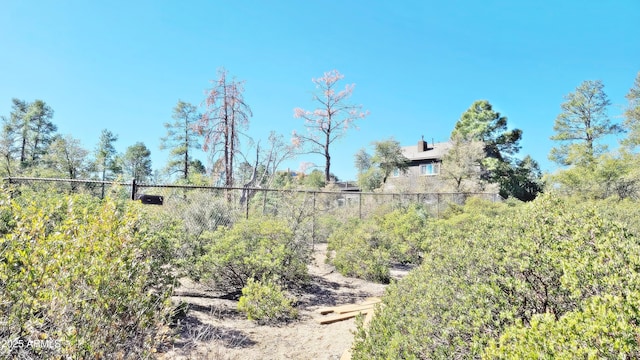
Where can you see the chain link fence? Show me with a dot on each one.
(205, 208)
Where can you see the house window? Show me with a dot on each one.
(430, 169)
(395, 172)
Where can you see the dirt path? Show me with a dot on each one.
(214, 329)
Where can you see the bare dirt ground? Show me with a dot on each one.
(214, 329)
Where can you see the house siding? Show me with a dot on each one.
(413, 180)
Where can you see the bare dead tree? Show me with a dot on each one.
(330, 120)
(226, 115)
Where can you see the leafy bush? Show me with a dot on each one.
(624, 211)
(606, 327)
(606, 176)
(257, 248)
(187, 216)
(478, 206)
(266, 302)
(437, 310)
(325, 225)
(366, 248)
(6, 216)
(358, 252)
(83, 274)
(403, 230)
(201, 212)
(484, 274)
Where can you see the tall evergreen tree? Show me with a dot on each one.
(480, 122)
(581, 124)
(39, 117)
(181, 139)
(106, 161)
(137, 162)
(17, 129)
(67, 157)
(499, 165)
(8, 150)
(28, 131)
(632, 115)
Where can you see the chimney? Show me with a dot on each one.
(422, 145)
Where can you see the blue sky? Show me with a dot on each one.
(417, 65)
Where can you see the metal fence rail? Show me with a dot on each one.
(247, 202)
(311, 214)
(265, 199)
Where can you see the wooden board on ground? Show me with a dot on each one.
(339, 317)
(344, 312)
(368, 318)
(350, 307)
(347, 354)
(346, 308)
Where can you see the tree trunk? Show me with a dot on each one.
(232, 148)
(327, 156)
(186, 149)
(34, 152)
(23, 150)
(186, 165)
(227, 145)
(104, 175)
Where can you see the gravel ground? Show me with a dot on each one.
(214, 329)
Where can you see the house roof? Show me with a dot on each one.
(435, 151)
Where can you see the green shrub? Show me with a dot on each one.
(451, 210)
(624, 211)
(359, 251)
(253, 249)
(366, 248)
(606, 327)
(325, 225)
(266, 302)
(187, 216)
(438, 309)
(483, 274)
(403, 231)
(7, 221)
(83, 274)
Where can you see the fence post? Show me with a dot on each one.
(264, 201)
(247, 206)
(313, 223)
(133, 189)
(360, 205)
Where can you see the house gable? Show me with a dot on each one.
(425, 164)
